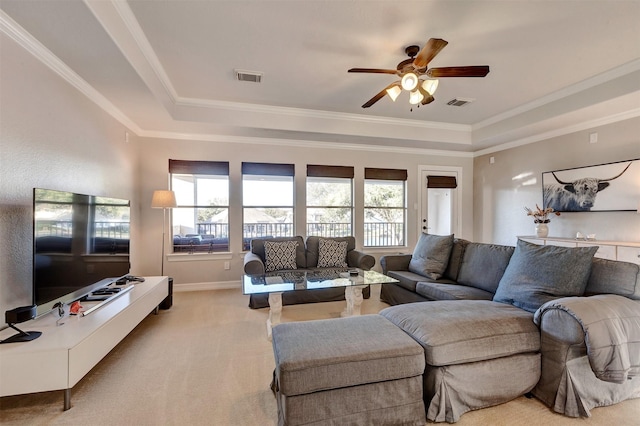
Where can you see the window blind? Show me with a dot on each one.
(268, 169)
(441, 182)
(199, 167)
(385, 174)
(330, 171)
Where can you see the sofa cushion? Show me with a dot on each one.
(257, 247)
(431, 255)
(610, 276)
(441, 291)
(455, 259)
(280, 255)
(483, 265)
(332, 254)
(537, 274)
(461, 331)
(312, 245)
(409, 280)
(312, 356)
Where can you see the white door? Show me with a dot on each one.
(439, 213)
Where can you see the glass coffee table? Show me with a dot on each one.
(276, 283)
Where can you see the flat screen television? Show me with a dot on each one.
(80, 243)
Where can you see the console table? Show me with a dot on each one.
(64, 354)
(625, 251)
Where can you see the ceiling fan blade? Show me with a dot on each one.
(471, 71)
(428, 52)
(380, 95)
(373, 70)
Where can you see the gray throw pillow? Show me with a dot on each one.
(431, 255)
(537, 274)
(280, 255)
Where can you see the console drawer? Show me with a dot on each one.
(629, 254)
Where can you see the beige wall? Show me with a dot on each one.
(51, 137)
(513, 181)
(154, 156)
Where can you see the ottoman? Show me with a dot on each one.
(478, 353)
(359, 370)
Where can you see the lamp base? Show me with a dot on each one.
(22, 336)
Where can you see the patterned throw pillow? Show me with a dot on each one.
(332, 254)
(280, 255)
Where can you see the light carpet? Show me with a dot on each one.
(207, 361)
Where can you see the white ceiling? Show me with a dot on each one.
(166, 68)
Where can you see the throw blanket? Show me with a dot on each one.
(611, 325)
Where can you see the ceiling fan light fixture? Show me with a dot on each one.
(430, 85)
(394, 92)
(415, 97)
(409, 81)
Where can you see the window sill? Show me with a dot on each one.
(196, 257)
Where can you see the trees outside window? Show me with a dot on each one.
(329, 201)
(385, 208)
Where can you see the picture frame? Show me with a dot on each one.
(604, 187)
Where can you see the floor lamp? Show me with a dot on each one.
(164, 200)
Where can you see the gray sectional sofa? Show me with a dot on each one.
(497, 322)
(307, 255)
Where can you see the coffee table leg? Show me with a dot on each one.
(353, 295)
(275, 309)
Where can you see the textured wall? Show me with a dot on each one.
(513, 181)
(51, 136)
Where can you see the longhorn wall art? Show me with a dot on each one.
(605, 187)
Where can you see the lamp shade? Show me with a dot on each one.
(415, 97)
(394, 92)
(430, 86)
(163, 199)
(409, 81)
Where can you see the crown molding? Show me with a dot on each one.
(585, 125)
(116, 16)
(602, 78)
(18, 34)
(299, 143)
(317, 114)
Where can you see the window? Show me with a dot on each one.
(201, 221)
(440, 204)
(385, 207)
(267, 200)
(329, 201)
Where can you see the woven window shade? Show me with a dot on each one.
(385, 174)
(441, 182)
(199, 167)
(268, 169)
(330, 171)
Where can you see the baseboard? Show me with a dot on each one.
(220, 285)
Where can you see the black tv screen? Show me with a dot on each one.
(80, 243)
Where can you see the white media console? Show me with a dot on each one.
(64, 354)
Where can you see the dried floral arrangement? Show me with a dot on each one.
(540, 215)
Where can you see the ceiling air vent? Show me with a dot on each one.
(252, 76)
(458, 102)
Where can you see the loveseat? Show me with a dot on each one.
(313, 254)
(498, 321)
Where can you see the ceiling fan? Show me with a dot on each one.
(410, 70)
